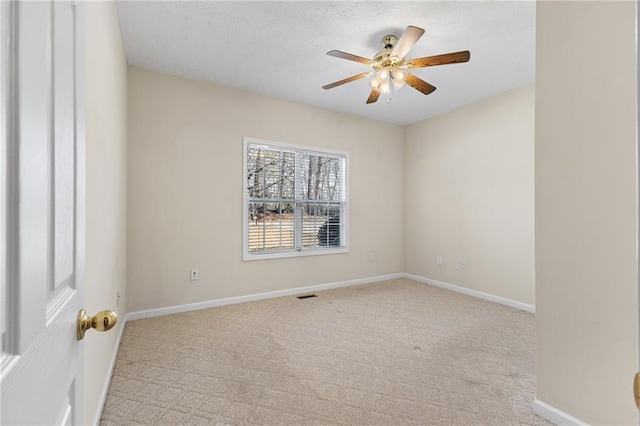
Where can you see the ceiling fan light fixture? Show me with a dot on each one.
(374, 83)
(384, 87)
(383, 75)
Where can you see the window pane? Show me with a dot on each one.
(271, 226)
(321, 225)
(270, 173)
(321, 177)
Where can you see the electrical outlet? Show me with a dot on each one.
(439, 260)
(195, 275)
(372, 257)
(464, 263)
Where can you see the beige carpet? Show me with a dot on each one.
(389, 353)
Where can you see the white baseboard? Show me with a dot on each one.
(474, 293)
(107, 382)
(554, 415)
(253, 297)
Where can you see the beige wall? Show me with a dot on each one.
(469, 195)
(106, 153)
(185, 191)
(586, 200)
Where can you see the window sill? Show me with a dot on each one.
(248, 257)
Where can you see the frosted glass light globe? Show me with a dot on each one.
(399, 76)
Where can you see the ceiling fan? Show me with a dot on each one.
(390, 66)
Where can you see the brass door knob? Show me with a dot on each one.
(102, 321)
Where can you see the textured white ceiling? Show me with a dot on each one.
(279, 48)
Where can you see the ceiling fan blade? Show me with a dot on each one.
(410, 36)
(349, 56)
(346, 80)
(419, 84)
(373, 97)
(432, 61)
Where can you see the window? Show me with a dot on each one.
(295, 201)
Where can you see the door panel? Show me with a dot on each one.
(63, 138)
(32, 140)
(35, 391)
(41, 372)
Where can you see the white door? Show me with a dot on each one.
(43, 220)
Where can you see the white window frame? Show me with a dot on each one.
(299, 251)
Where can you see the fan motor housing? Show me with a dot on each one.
(385, 60)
